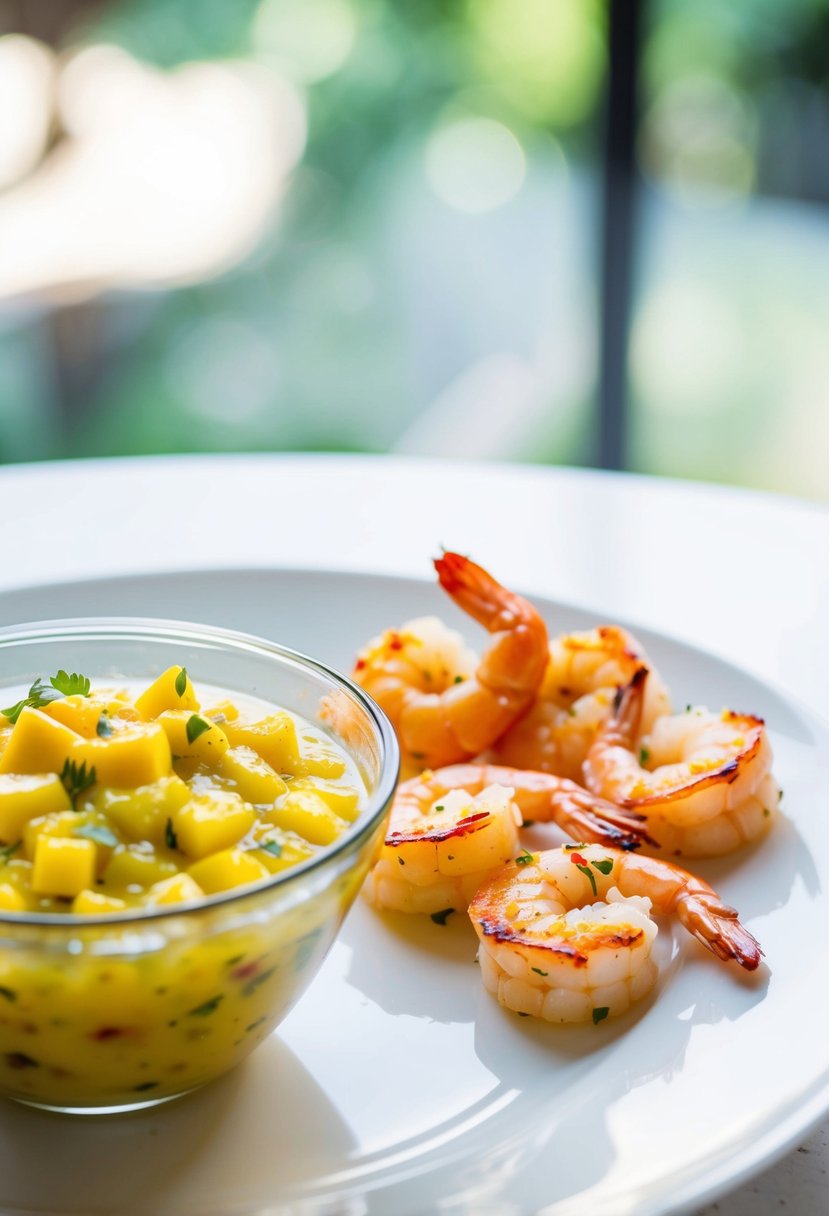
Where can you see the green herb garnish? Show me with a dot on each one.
(8, 851)
(604, 866)
(195, 726)
(569, 848)
(76, 778)
(170, 838)
(98, 833)
(458, 680)
(586, 870)
(181, 682)
(440, 918)
(538, 971)
(71, 686)
(271, 846)
(202, 1011)
(600, 1014)
(104, 728)
(524, 859)
(8, 993)
(644, 755)
(41, 693)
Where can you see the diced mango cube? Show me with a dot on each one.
(230, 868)
(192, 736)
(163, 694)
(212, 821)
(305, 813)
(280, 850)
(91, 902)
(273, 738)
(62, 865)
(58, 823)
(222, 711)
(6, 729)
(252, 776)
(81, 714)
(343, 800)
(136, 867)
(25, 796)
(180, 889)
(11, 900)
(136, 754)
(38, 744)
(319, 759)
(140, 814)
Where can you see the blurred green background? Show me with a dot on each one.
(374, 225)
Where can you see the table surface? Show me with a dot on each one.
(741, 574)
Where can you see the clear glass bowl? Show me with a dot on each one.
(114, 1012)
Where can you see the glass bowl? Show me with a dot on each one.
(113, 1012)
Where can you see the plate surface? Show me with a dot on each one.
(397, 1085)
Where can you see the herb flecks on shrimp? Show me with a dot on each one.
(702, 780)
(450, 829)
(444, 705)
(567, 935)
(575, 697)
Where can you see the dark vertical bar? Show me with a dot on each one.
(618, 226)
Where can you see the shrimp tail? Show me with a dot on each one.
(586, 817)
(622, 728)
(716, 925)
(479, 594)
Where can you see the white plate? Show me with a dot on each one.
(397, 1085)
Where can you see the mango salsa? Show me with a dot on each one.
(117, 800)
(120, 798)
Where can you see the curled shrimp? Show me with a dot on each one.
(576, 695)
(450, 829)
(702, 780)
(566, 934)
(445, 706)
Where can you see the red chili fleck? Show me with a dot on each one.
(577, 859)
(108, 1032)
(395, 643)
(359, 665)
(472, 818)
(245, 971)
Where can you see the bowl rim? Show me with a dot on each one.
(149, 627)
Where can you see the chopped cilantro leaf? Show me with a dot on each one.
(76, 778)
(195, 726)
(524, 859)
(586, 870)
(170, 838)
(600, 1014)
(202, 1011)
(8, 851)
(181, 682)
(604, 866)
(440, 918)
(71, 686)
(271, 846)
(104, 728)
(644, 755)
(538, 971)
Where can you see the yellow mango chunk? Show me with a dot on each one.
(162, 694)
(91, 902)
(68, 823)
(252, 776)
(180, 889)
(273, 738)
(212, 821)
(221, 712)
(81, 714)
(305, 813)
(11, 899)
(280, 850)
(231, 868)
(142, 813)
(343, 800)
(25, 796)
(6, 729)
(62, 865)
(136, 754)
(133, 866)
(192, 737)
(38, 744)
(319, 759)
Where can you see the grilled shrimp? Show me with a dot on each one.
(445, 705)
(450, 829)
(575, 697)
(702, 780)
(566, 934)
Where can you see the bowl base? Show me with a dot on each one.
(122, 1108)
